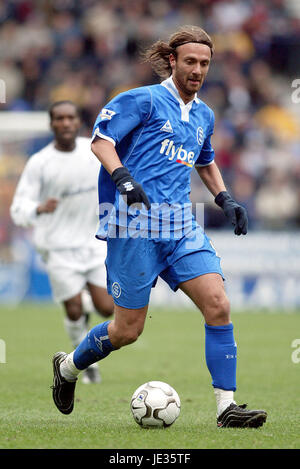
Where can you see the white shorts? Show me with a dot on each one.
(70, 269)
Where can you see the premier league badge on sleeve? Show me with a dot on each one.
(107, 114)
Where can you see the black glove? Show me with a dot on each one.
(235, 212)
(128, 187)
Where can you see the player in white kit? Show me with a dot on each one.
(57, 195)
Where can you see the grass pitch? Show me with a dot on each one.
(171, 349)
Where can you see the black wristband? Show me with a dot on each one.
(221, 198)
(119, 174)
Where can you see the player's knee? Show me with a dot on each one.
(218, 311)
(126, 336)
(130, 336)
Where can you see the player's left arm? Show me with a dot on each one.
(212, 178)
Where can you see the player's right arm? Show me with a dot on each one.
(26, 204)
(130, 189)
(120, 116)
(106, 154)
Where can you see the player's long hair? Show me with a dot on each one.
(158, 54)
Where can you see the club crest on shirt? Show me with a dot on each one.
(200, 135)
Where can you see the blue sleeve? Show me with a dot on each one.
(122, 114)
(207, 153)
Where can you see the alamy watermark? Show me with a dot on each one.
(296, 93)
(163, 221)
(2, 91)
(2, 351)
(296, 353)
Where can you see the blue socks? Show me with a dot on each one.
(221, 356)
(220, 352)
(94, 347)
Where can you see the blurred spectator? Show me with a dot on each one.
(277, 203)
(11, 165)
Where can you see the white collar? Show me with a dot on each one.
(171, 87)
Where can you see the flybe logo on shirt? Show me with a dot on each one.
(182, 156)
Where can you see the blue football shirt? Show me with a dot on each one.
(159, 139)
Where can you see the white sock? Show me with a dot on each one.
(224, 399)
(76, 330)
(67, 368)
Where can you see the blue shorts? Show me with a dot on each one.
(134, 264)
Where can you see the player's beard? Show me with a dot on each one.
(193, 84)
(185, 85)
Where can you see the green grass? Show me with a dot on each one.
(171, 349)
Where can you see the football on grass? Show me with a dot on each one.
(155, 404)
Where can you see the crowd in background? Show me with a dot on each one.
(89, 50)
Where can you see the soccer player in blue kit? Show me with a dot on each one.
(148, 140)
